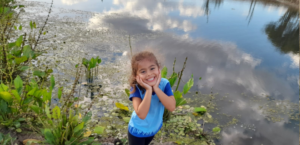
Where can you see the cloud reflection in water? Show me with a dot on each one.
(221, 65)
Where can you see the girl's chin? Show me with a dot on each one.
(151, 84)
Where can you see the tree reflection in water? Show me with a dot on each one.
(284, 33)
(206, 6)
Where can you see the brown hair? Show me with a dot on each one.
(136, 58)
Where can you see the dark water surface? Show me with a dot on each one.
(247, 51)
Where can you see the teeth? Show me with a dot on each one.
(151, 79)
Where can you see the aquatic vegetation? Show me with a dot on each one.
(177, 94)
(6, 139)
(17, 51)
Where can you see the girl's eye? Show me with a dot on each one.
(143, 72)
(152, 68)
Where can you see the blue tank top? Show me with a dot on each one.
(154, 119)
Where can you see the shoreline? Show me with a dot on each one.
(290, 4)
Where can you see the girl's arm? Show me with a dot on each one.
(168, 101)
(141, 107)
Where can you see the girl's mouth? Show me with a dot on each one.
(151, 79)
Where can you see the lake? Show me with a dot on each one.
(246, 53)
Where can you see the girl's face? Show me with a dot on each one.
(148, 71)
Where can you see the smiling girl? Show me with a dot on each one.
(150, 94)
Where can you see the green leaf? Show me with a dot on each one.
(92, 63)
(27, 100)
(216, 129)
(56, 112)
(21, 119)
(85, 62)
(99, 61)
(3, 106)
(127, 91)
(164, 72)
(15, 27)
(24, 68)
(173, 79)
(6, 96)
(17, 124)
(36, 109)
(6, 9)
(200, 78)
(45, 33)
(79, 127)
(31, 92)
(89, 141)
(76, 65)
(87, 117)
(47, 111)
(177, 95)
(49, 136)
(19, 60)
(46, 95)
(99, 130)
(34, 25)
(3, 87)
(28, 52)
(60, 92)
(126, 119)
(20, 27)
(49, 71)
(180, 101)
(200, 110)
(121, 106)
(39, 73)
(11, 45)
(16, 94)
(31, 25)
(19, 130)
(52, 82)
(188, 85)
(33, 83)
(18, 84)
(19, 41)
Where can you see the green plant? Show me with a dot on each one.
(16, 56)
(89, 65)
(17, 103)
(177, 94)
(6, 139)
(64, 124)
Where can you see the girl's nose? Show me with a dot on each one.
(148, 74)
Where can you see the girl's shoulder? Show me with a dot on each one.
(164, 80)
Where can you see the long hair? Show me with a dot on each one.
(136, 58)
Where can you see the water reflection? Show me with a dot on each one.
(207, 7)
(284, 34)
(227, 70)
(251, 10)
(222, 65)
(72, 2)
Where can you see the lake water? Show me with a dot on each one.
(245, 51)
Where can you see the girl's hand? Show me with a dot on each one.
(144, 85)
(157, 81)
